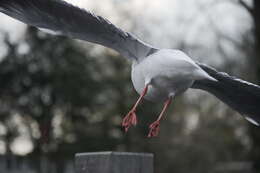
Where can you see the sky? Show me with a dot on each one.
(163, 23)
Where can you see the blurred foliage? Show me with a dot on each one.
(69, 101)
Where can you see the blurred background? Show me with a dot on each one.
(60, 96)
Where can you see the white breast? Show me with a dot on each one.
(169, 72)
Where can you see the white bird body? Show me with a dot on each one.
(168, 72)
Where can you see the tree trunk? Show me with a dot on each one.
(255, 131)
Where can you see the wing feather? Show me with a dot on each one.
(240, 95)
(64, 18)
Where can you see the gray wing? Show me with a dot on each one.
(77, 23)
(240, 95)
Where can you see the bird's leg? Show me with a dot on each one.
(131, 119)
(155, 126)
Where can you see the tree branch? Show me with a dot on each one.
(246, 6)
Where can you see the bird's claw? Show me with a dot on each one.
(129, 120)
(154, 129)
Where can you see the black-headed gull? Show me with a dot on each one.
(157, 74)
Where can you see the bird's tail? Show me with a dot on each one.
(240, 95)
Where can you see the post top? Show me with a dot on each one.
(114, 153)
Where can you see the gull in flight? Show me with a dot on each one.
(157, 74)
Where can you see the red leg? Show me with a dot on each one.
(155, 126)
(131, 119)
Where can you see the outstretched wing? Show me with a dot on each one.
(240, 95)
(77, 23)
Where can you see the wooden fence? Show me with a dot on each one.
(104, 162)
